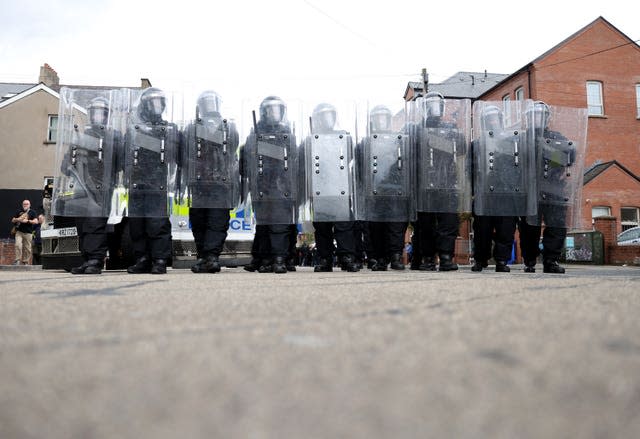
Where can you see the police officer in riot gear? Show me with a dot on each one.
(384, 168)
(96, 180)
(270, 166)
(213, 179)
(150, 155)
(554, 156)
(492, 228)
(330, 221)
(437, 211)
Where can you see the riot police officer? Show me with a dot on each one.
(492, 227)
(557, 184)
(150, 162)
(442, 182)
(270, 167)
(90, 173)
(331, 189)
(213, 179)
(385, 162)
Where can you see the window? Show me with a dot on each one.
(506, 108)
(52, 133)
(629, 217)
(597, 211)
(638, 101)
(520, 94)
(594, 98)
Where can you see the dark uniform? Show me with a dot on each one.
(327, 216)
(438, 220)
(151, 146)
(492, 231)
(554, 154)
(270, 166)
(89, 167)
(213, 179)
(384, 163)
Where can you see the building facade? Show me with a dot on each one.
(28, 134)
(597, 68)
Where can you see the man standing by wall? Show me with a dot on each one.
(24, 220)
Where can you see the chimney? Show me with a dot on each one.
(48, 76)
(145, 83)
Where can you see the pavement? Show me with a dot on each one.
(321, 355)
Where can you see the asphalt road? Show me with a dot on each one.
(321, 355)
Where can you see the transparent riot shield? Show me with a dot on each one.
(503, 160)
(212, 168)
(560, 138)
(273, 169)
(330, 177)
(442, 157)
(150, 154)
(85, 170)
(385, 164)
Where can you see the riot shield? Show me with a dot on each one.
(212, 170)
(272, 160)
(560, 138)
(386, 180)
(442, 151)
(503, 160)
(330, 177)
(85, 171)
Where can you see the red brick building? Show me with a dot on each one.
(597, 68)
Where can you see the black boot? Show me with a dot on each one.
(446, 263)
(159, 266)
(324, 266)
(379, 264)
(253, 265)
(142, 265)
(502, 267)
(279, 265)
(429, 264)
(347, 264)
(92, 266)
(371, 262)
(266, 266)
(478, 265)
(210, 264)
(551, 266)
(396, 262)
(529, 266)
(291, 264)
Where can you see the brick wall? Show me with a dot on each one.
(614, 136)
(615, 254)
(613, 188)
(7, 251)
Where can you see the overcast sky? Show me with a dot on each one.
(316, 50)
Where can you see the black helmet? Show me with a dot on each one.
(433, 105)
(152, 105)
(541, 115)
(98, 111)
(273, 111)
(208, 104)
(492, 118)
(323, 118)
(380, 119)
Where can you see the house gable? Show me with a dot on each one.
(28, 92)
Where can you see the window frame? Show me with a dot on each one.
(52, 131)
(595, 105)
(627, 224)
(519, 91)
(608, 208)
(506, 109)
